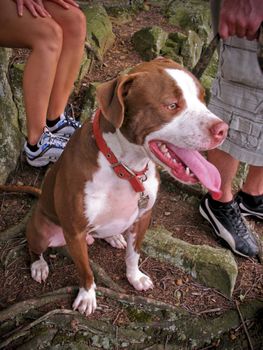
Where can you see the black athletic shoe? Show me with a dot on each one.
(228, 224)
(250, 205)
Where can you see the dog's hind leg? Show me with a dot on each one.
(139, 280)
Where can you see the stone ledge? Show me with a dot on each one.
(215, 268)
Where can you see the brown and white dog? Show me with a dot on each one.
(105, 183)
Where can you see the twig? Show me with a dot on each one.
(244, 326)
(217, 309)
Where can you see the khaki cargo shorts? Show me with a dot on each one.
(237, 98)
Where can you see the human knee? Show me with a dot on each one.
(75, 26)
(50, 38)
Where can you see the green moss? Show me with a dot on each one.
(149, 41)
(138, 315)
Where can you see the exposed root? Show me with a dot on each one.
(34, 303)
(244, 326)
(100, 274)
(135, 300)
(102, 277)
(23, 331)
(16, 230)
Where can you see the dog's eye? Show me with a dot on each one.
(172, 106)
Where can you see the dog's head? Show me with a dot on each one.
(160, 106)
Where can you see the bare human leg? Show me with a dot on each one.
(44, 37)
(254, 181)
(73, 24)
(227, 167)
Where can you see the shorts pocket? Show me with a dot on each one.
(239, 64)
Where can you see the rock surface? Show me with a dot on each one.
(10, 135)
(212, 267)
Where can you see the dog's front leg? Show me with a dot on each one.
(135, 235)
(85, 301)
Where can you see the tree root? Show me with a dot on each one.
(100, 274)
(66, 292)
(102, 277)
(24, 331)
(16, 230)
(34, 303)
(244, 326)
(149, 303)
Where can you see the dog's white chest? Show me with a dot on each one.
(111, 204)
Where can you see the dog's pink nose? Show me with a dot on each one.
(219, 131)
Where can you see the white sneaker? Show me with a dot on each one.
(66, 126)
(50, 147)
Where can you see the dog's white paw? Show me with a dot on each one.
(86, 302)
(140, 281)
(89, 239)
(117, 241)
(39, 270)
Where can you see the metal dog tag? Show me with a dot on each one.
(143, 200)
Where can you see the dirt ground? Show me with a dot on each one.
(176, 210)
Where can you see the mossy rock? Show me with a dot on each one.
(191, 49)
(148, 42)
(89, 102)
(190, 15)
(212, 267)
(99, 29)
(184, 48)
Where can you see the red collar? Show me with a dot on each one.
(121, 170)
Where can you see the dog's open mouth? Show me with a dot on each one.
(187, 166)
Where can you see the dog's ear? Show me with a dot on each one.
(111, 96)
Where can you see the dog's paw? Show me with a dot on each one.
(86, 302)
(140, 281)
(39, 270)
(89, 239)
(117, 241)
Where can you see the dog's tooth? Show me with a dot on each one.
(163, 148)
(187, 171)
(167, 154)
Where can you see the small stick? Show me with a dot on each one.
(244, 326)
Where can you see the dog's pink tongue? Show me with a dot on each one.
(206, 172)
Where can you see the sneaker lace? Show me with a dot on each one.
(72, 121)
(70, 117)
(54, 140)
(234, 214)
